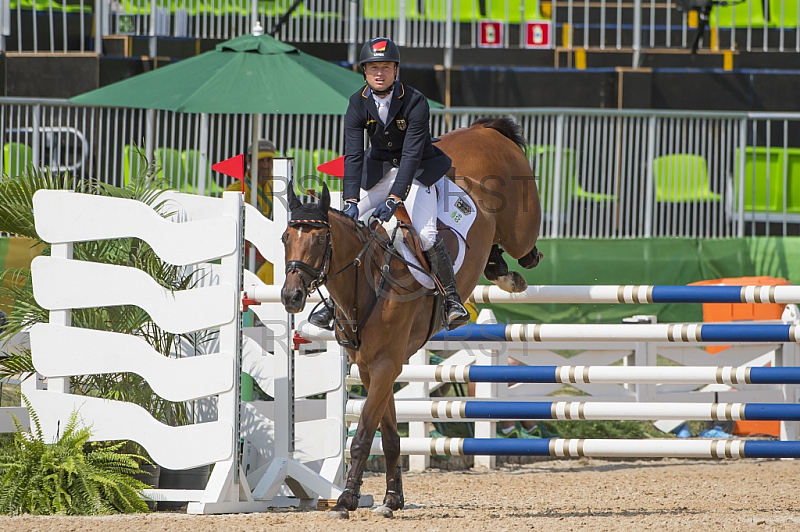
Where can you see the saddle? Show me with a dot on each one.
(412, 241)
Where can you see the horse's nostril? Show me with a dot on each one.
(292, 299)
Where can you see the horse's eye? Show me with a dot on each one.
(284, 238)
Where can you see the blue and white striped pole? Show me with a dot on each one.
(422, 410)
(594, 448)
(731, 375)
(656, 332)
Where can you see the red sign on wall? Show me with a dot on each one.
(537, 34)
(490, 34)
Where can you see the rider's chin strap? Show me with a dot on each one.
(383, 92)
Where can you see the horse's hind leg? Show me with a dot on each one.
(497, 271)
(378, 380)
(393, 500)
(531, 260)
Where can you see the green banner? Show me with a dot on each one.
(654, 261)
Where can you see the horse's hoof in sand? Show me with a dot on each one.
(339, 514)
(514, 282)
(383, 511)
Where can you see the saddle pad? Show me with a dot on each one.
(456, 210)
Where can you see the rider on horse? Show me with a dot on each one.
(401, 166)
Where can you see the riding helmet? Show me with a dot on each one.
(379, 49)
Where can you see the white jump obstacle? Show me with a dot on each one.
(202, 230)
(499, 336)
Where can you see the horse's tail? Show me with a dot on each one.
(506, 127)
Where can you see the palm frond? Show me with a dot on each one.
(16, 198)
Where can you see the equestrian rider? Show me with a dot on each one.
(400, 167)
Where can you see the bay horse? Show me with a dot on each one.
(381, 327)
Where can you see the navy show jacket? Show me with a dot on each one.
(404, 142)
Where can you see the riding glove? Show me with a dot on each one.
(351, 209)
(385, 210)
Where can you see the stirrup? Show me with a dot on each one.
(323, 318)
(456, 314)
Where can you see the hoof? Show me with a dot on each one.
(513, 282)
(338, 514)
(383, 511)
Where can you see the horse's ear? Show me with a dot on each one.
(294, 203)
(325, 199)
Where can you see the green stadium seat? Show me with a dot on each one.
(318, 9)
(389, 9)
(70, 6)
(681, 178)
(133, 163)
(172, 169)
(768, 197)
(17, 157)
(793, 177)
(463, 10)
(748, 13)
(196, 165)
(544, 159)
(305, 173)
(783, 11)
(517, 12)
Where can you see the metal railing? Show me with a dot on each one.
(637, 25)
(601, 173)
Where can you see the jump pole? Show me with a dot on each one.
(655, 332)
(594, 448)
(462, 373)
(567, 410)
(638, 294)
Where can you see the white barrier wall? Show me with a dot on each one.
(61, 351)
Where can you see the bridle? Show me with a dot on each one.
(319, 276)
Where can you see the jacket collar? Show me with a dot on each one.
(398, 92)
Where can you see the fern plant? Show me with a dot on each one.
(63, 477)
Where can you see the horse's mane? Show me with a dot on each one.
(506, 127)
(347, 221)
(343, 217)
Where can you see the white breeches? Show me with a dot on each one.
(420, 204)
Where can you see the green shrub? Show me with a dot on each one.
(68, 476)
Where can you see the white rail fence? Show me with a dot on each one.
(771, 25)
(602, 173)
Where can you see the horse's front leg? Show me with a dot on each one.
(378, 380)
(393, 500)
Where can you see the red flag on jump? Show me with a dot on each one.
(233, 167)
(334, 167)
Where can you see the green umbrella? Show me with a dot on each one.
(248, 74)
(252, 74)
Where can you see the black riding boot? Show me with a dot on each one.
(323, 318)
(442, 267)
